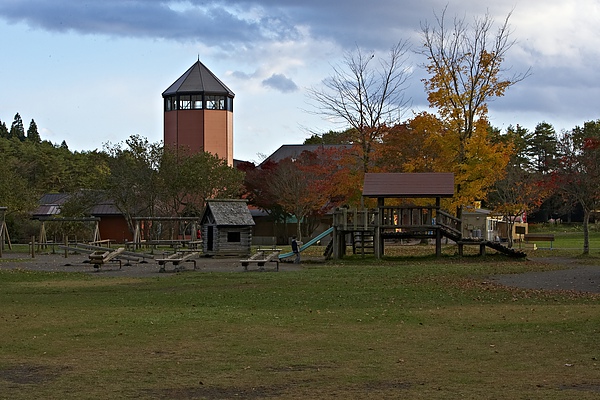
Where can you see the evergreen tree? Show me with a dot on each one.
(64, 145)
(3, 130)
(32, 133)
(17, 130)
(542, 148)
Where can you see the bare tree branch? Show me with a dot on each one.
(365, 97)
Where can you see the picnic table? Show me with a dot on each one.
(100, 257)
(177, 258)
(260, 258)
(99, 251)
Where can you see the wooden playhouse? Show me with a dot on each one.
(227, 228)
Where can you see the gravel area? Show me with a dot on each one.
(574, 276)
(80, 263)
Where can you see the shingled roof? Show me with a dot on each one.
(198, 79)
(409, 185)
(228, 213)
(294, 150)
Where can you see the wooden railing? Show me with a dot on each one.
(395, 217)
(355, 220)
(449, 222)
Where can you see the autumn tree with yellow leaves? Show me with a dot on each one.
(465, 64)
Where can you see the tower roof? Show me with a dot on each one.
(198, 79)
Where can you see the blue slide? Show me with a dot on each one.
(309, 243)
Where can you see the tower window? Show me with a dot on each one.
(170, 103)
(185, 102)
(215, 102)
(197, 101)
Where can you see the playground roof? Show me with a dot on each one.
(198, 79)
(411, 185)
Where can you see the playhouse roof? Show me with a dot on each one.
(198, 79)
(411, 185)
(228, 212)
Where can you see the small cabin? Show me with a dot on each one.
(478, 223)
(481, 224)
(227, 228)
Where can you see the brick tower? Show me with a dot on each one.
(198, 113)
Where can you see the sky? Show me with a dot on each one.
(92, 72)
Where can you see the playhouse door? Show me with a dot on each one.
(209, 239)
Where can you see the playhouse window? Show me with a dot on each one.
(234, 237)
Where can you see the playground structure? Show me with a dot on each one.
(309, 243)
(4, 237)
(99, 255)
(43, 236)
(370, 228)
(170, 231)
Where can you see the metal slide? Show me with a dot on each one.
(309, 243)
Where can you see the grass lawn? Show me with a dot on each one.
(418, 328)
(568, 240)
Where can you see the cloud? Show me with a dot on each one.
(182, 21)
(281, 83)
(255, 45)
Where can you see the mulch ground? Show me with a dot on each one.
(574, 276)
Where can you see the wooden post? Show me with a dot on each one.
(4, 237)
(438, 232)
(97, 237)
(43, 241)
(377, 239)
(137, 236)
(66, 241)
(336, 242)
(33, 247)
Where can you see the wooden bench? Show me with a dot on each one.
(260, 260)
(539, 237)
(177, 258)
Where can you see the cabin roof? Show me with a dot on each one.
(228, 212)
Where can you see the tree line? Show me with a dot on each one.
(140, 178)
(17, 130)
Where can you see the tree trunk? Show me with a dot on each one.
(509, 225)
(586, 231)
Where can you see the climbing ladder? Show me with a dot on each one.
(363, 242)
